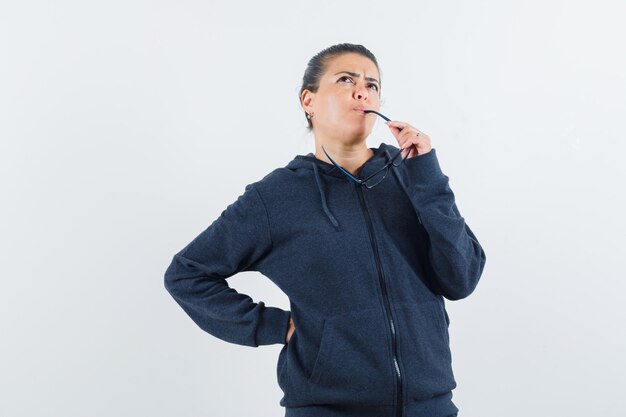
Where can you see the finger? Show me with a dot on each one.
(403, 139)
(395, 129)
(407, 131)
(400, 126)
(410, 148)
(407, 143)
(408, 134)
(395, 132)
(397, 123)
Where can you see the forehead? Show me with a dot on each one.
(353, 63)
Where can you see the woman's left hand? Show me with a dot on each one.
(407, 135)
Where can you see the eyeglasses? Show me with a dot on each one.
(376, 178)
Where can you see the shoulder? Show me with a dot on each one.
(273, 177)
(273, 182)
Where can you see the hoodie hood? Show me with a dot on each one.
(319, 169)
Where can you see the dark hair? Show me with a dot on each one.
(317, 66)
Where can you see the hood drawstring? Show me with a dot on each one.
(321, 190)
(320, 187)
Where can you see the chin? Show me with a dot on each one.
(356, 130)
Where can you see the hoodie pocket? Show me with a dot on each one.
(425, 350)
(354, 364)
(291, 370)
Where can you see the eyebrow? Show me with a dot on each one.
(356, 74)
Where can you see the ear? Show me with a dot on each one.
(307, 98)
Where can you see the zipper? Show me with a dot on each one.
(381, 278)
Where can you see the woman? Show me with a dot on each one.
(365, 242)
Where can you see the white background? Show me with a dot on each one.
(126, 128)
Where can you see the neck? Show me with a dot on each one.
(349, 156)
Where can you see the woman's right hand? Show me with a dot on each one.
(292, 328)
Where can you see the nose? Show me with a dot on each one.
(360, 92)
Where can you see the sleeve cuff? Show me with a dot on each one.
(424, 168)
(273, 326)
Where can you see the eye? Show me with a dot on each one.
(345, 77)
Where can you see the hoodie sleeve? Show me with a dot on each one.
(196, 278)
(456, 257)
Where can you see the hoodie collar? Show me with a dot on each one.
(317, 166)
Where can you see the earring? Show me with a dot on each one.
(309, 115)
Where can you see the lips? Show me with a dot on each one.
(360, 108)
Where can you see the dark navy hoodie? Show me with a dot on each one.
(366, 272)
